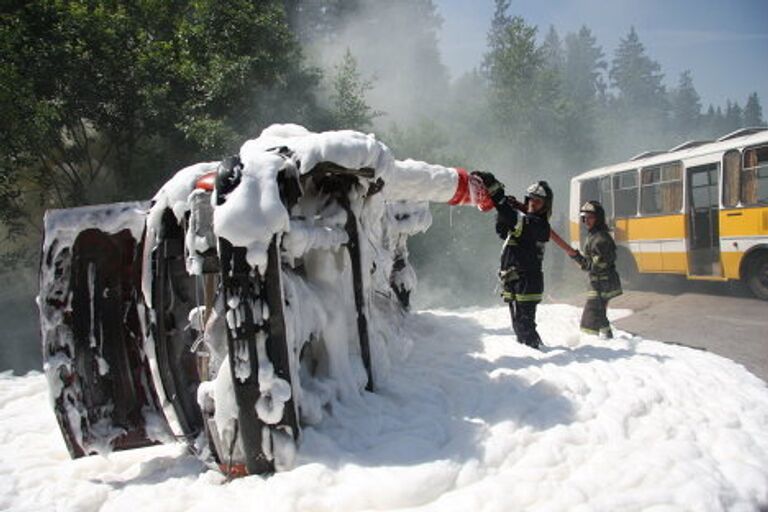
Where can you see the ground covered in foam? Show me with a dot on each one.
(472, 421)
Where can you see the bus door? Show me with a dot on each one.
(703, 229)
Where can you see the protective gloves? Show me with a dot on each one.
(580, 260)
(494, 187)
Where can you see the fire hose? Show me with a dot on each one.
(470, 190)
(570, 251)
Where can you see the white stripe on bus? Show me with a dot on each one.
(656, 246)
(727, 244)
(741, 244)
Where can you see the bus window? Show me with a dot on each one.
(754, 177)
(662, 189)
(589, 191)
(625, 193)
(605, 198)
(731, 176)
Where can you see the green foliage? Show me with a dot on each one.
(316, 21)
(753, 111)
(584, 67)
(733, 116)
(686, 107)
(637, 77)
(524, 92)
(552, 50)
(395, 41)
(636, 108)
(350, 110)
(512, 65)
(583, 89)
(101, 100)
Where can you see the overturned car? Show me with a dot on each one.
(249, 294)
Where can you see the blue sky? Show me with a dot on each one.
(723, 43)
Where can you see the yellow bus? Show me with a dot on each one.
(699, 209)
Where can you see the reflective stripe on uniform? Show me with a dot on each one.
(611, 294)
(603, 295)
(528, 297)
(515, 233)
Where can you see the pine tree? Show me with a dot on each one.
(525, 93)
(512, 66)
(584, 67)
(552, 51)
(636, 77)
(635, 117)
(350, 110)
(686, 107)
(395, 41)
(733, 116)
(720, 124)
(582, 86)
(753, 111)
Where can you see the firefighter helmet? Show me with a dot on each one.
(542, 190)
(596, 208)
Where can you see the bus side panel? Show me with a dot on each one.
(574, 223)
(658, 242)
(674, 257)
(574, 230)
(740, 229)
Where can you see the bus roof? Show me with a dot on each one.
(735, 140)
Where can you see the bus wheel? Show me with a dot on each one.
(757, 275)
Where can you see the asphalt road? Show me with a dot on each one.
(733, 327)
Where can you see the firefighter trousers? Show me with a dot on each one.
(523, 293)
(524, 323)
(594, 319)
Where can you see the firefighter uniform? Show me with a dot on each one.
(524, 235)
(599, 260)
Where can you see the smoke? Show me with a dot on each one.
(19, 345)
(395, 45)
(429, 117)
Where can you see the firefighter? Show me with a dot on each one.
(599, 259)
(524, 227)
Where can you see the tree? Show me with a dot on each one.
(100, 100)
(753, 111)
(636, 77)
(584, 67)
(733, 116)
(636, 113)
(552, 51)
(350, 110)
(583, 84)
(719, 124)
(395, 41)
(317, 21)
(518, 86)
(511, 65)
(686, 106)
